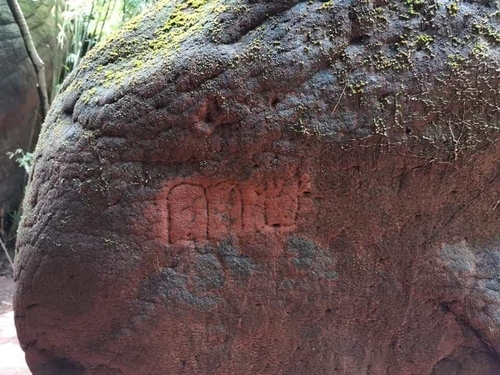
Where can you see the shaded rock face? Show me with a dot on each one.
(231, 187)
(19, 99)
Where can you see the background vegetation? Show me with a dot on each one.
(79, 26)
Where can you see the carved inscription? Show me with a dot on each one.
(282, 204)
(197, 213)
(224, 210)
(188, 215)
(254, 207)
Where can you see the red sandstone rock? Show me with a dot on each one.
(272, 188)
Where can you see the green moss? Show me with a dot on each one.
(480, 50)
(457, 41)
(423, 41)
(455, 61)
(117, 47)
(185, 20)
(488, 31)
(133, 24)
(138, 64)
(74, 86)
(180, 19)
(109, 242)
(356, 87)
(414, 6)
(380, 126)
(453, 8)
(301, 128)
(197, 3)
(327, 5)
(400, 56)
(380, 15)
(256, 50)
(399, 62)
(88, 95)
(133, 48)
(114, 78)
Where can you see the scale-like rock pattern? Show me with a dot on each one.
(271, 187)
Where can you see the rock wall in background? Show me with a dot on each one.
(19, 99)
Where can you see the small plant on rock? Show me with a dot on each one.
(24, 159)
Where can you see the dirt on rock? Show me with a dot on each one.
(271, 187)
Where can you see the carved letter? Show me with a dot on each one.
(187, 208)
(282, 203)
(225, 209)
(253, 209)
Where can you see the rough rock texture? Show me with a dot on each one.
(19, 99)
(279, 187)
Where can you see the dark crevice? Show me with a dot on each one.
(253, 19)
(43, 362)
(60, 366)
(359, 40)
(210, 116)
(274, 101)
(6, 22)
(445, 307)
(33, 305)
(69, 103)
(380, 3)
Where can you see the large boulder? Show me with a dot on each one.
(19, 100)
(271, 187)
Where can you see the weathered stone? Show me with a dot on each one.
(230, 187)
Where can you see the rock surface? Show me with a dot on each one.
(271, 187)
(19, 99)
